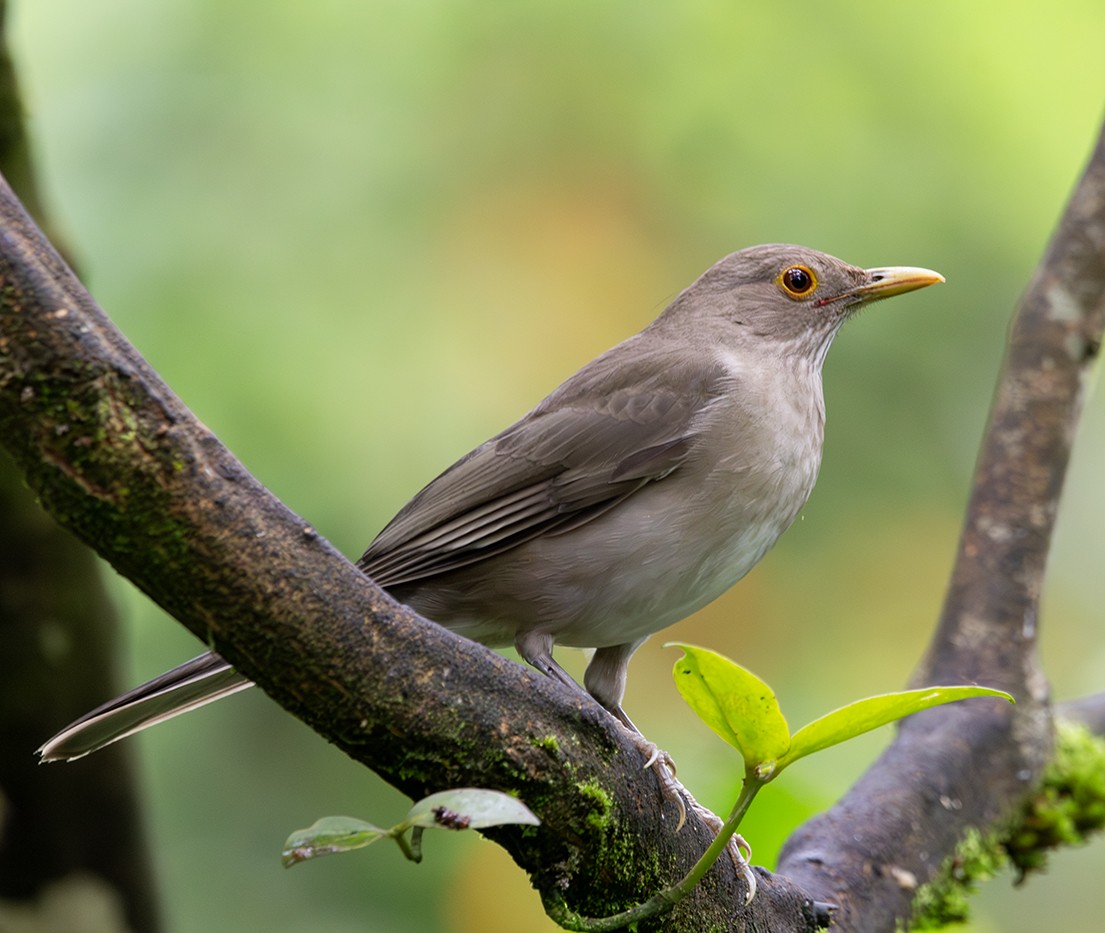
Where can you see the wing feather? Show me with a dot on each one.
(584, 449)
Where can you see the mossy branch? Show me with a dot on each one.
(119, 460)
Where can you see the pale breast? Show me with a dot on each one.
(755, 475)
(669, 548)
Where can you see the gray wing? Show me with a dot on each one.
(584, 449)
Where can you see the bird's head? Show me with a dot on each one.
(789, 298)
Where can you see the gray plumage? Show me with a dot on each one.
(641, 489)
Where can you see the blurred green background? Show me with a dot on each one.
(359, 237)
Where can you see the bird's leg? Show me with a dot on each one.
(605, 681)
(652, 752)
(536, 650)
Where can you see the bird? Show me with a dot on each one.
(638, 491)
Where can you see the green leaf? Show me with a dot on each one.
(469, 808)
(735, 703)
(328, 836)
(865, 715)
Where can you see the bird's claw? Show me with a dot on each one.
(741, 854)
(664, 766)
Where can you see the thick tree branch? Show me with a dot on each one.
(121, 462)
(971, 764)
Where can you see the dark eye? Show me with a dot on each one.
(797, 281)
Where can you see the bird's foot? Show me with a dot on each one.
(664, 765)
(740, 852)
(660, 762)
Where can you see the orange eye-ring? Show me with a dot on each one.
(797, 281)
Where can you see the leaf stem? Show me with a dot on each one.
(412, 849)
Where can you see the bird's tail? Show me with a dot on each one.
(192, 684)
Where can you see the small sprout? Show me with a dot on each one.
(742, 709)
(463, 808)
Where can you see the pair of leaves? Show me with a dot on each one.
(742, 709)
(462, 808)
(734, 702)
